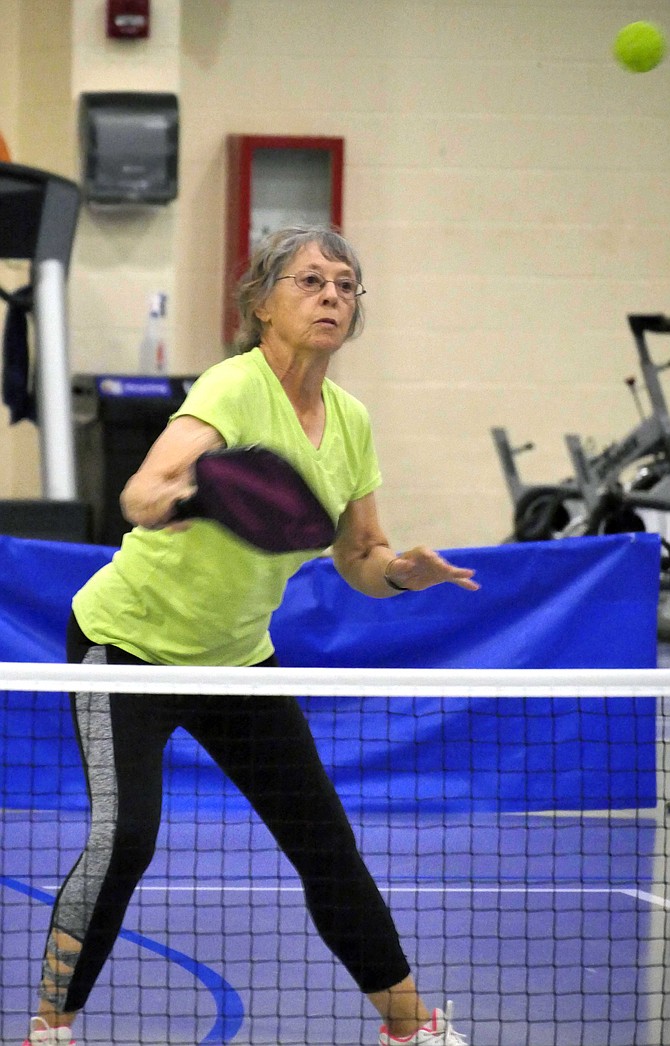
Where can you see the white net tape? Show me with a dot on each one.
(339, 682)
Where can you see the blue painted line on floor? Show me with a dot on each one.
(229, 1006)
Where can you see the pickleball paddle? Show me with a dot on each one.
(260, 497)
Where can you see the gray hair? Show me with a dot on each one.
(267, 264)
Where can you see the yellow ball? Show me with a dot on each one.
(639, 46)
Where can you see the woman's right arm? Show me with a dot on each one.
(166, 474)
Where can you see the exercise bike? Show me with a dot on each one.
(596, 500)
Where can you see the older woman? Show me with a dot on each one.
(193, 594)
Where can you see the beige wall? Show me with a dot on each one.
(505, 183)
(9, 63)
(121, 257)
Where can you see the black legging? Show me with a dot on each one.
(264, 745)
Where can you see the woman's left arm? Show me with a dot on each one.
(363, 557)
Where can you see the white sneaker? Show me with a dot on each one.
(42, 1035)
(438, 1032)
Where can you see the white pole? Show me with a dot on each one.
(54, 402)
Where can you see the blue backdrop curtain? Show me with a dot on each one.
(585, 602)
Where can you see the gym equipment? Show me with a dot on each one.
(38, 218)
(598, 499)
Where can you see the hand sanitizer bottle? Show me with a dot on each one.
(153, 348)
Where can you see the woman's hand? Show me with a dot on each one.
(422, 567)
(362, 555)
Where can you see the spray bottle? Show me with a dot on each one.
(153, 358)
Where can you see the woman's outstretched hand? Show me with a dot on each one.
(422, 567)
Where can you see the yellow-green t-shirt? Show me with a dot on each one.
(202, 596)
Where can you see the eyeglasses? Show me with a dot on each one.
(314, 282)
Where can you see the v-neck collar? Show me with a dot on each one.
(295, 421)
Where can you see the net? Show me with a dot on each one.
(514, 822)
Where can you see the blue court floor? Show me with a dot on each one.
(545, 931)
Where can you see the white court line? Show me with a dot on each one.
(652, 898)
(629, 891)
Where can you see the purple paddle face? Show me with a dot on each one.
(261, 498)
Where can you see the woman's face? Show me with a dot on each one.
(301, 321)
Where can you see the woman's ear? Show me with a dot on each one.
(262, 314)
